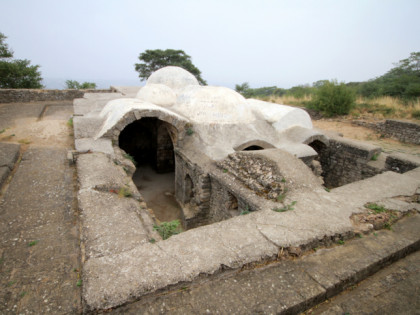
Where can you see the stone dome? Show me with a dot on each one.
(174, 77)
(158, 94)
(211, 104)
(280, 116)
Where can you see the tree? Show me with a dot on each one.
(333, 99)
(70, 84)
(4, 48)
(18, 73)
(152, 60)
(402, 81)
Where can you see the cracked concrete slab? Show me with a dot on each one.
(113, 278)
(110, 223)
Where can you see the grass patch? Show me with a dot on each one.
(288, 207)
(167, 229)
(3, 130)
(79, 283)
(244, 212)
(24, 141)
(415, 114)
(375, 207)
(130, 157)
(33, 243)
(70, 122)
(375, 157)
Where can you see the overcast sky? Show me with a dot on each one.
(263, 42)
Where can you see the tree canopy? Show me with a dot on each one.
(17, 73)
(71, 84)
(152, 60)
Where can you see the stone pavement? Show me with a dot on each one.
(39, 249)
(293, 285)
(393, 290)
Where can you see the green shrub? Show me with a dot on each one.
(415, 114)
(333, 99)
(167, 229)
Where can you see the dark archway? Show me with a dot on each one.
(149, 141)
(253, 148)
(318, 146)
(188, 189)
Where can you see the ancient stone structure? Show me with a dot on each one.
(405, 131)
(39, 95)
(231, 156)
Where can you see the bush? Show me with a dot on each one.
(333, 99)
(167, 229)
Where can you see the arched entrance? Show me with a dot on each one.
(149, 141)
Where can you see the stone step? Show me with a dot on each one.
(290, 286)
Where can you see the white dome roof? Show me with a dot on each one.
(158, 94)
(280, 116)
(174, 77)
(211, 104)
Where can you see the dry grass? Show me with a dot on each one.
(367, 108)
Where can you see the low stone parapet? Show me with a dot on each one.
(40, 95)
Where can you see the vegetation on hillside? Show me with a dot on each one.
(17, 73)
(394, 94)
(71, 84)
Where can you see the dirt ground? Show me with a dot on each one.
(39, 248)
(158, 190)
(348, 130)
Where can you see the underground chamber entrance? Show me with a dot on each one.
(149, 142)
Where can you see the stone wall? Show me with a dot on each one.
(401, 163)
(38, 95)
(404, 131)
(345, 161)
(192, 190)
(258, 174)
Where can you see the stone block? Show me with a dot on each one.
(91, 145)
(110, 223)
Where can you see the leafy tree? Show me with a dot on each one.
(402, 81)
(333, 99)
(70, 84)
(152, 60)
(17, 74)
(5, 52)
(300, 91)
(242, 88)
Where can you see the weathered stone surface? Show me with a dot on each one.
(86, 127)
(113, 280)
(100, 171)
(37, 95)
(293, 286)
(390, 291)
(404, 131)
(110, 223)
(40, 245)
(90, 145)
(4, 173)
(9, 153)
(401, 163)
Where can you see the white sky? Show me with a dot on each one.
(263, 42)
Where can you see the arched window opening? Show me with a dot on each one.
(188, 190)
(253, 148)
(232, 205)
